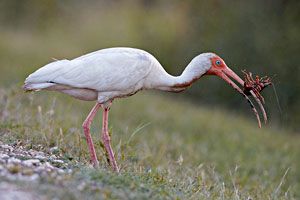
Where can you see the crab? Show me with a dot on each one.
(256, 85)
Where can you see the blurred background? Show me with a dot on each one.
(261, 36)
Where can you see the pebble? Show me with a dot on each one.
(27, 172)
(17, 163)
(4, 156)
(13, 160)
(57, 163)
(13, 168)
(61, 171)
(5, 146)
(54, 149)
(31, 162)
(48, 165)
(39, 153)
(53, 157)
(40, 157)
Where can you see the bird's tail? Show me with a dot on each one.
(44, 77)
(27, 87)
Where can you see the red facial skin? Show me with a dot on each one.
(219, 68)
(214, 67)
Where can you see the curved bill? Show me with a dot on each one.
(231, 74)
(230, 82)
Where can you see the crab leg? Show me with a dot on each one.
(250, 82)
(223, 76)
(260, 106)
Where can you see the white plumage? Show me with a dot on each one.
(105, 74)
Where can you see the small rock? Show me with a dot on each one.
(40, 157)
(4, 156)
(48, 165)
(54, 150)
(13, 168)
(39, 169)
(32, 152)
(60, 171)
(31, 162)
(12, 154)
(58, 163)
(39, 153)
(6, 147)
(13, 161)
(27, 172)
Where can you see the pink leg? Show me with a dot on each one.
(106, 139)
(86, 128)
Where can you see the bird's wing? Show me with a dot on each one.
(101, 70)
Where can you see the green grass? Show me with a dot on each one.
(167, 148)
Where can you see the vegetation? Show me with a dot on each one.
(187, 152)
(169, 146)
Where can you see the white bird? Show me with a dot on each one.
(111, 73)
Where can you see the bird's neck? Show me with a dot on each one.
(191, 74)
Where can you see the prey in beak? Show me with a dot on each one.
(219, 68)
(256, 84)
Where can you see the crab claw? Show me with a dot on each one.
(256, 97)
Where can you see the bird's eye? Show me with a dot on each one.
(218, 62)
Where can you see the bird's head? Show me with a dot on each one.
(211, 64)
(216, 66)
(219, 68)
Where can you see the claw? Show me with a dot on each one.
(254, 87)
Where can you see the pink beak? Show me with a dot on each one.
(225, 74)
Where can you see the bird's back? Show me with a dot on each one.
(113, 69)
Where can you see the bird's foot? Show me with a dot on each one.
(95, 164)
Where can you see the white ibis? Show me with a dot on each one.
(111, 73)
